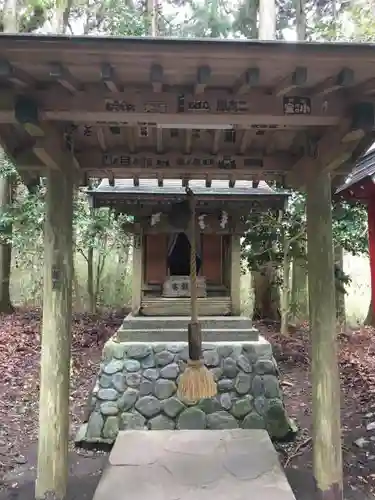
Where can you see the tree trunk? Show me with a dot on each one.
(340, 297)
(267, 19)
(90, 279)
(5, 249)
(327, 457)
(285, 303)
(52, 474)
(300, 20)
(10, 26)
(299, 290)
(370, 318)
(266, 294)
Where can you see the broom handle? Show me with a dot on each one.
(193, 264)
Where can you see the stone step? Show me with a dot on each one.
(180, 335)
(162, 306)
(178, 322)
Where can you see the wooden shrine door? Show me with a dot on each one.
(212, 268)
(155, 258)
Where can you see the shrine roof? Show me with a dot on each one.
(363, 170)
(142, 107)
(172, 187)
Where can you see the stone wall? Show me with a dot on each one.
(137, 383)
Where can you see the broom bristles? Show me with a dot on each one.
(196, 382)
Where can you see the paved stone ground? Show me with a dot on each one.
(220, 464)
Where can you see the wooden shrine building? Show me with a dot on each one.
(129, 108)
(161, 254)
(360, 187)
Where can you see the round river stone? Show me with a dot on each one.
(192, 418)
(148, 406)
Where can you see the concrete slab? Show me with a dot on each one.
(194, 465)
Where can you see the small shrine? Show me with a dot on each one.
(360, 187)
(161, 253)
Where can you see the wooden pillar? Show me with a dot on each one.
(137, 278)
(235, 274)
(327, 456)
(52, 473)
(371, 247)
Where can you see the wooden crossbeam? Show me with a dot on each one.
(365, 88)
(344, 79)
(62, 75)
(101, 138)
(16, 76)
(216, 141)
(203, 77)
(159, 140)
(291, 82)
(212, 109)
(157, 77)
(109, 78)
(188, 140)
(247, 81)
(245, 141)
(181, 165)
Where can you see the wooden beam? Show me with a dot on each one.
(157, 77)
(159, 140)
(14, 75)
(62, 75)
(101, 138)
(325, 371)
(49, 142)
(52, 469)
(344, 79)
(188, 141)
(203, 77)
(216, 141)
(212, 109)
(247, 81)
(149, 163)
(293, 81)
(245, 141)
(109, 78)
(130, 138)
(364, 89)
(337, 145)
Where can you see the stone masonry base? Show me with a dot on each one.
(137, 383)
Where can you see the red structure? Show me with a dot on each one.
(360, 187)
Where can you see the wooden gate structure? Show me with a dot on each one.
(74, 107)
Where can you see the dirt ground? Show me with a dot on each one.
(19, 386)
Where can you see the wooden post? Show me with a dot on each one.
(235, 274)
(371, 246)
(137, 276)
(325, 373)
(52, 473)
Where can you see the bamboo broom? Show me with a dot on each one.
(196, 382)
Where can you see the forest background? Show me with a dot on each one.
(274, 282)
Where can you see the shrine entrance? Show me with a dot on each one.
(179, 256)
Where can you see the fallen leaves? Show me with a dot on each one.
(19, 381)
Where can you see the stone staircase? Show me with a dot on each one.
(174, 329)
(171, 306)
